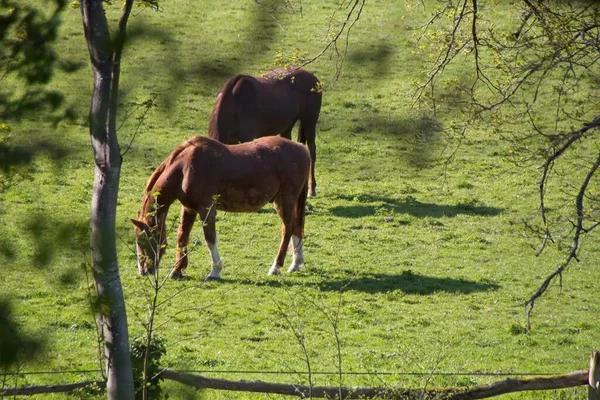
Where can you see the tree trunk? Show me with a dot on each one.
(112, 319)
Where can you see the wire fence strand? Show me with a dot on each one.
(271, 372)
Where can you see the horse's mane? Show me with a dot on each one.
(148, 196)
(223, 102)
(170, 159)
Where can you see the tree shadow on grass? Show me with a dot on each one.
(416, 138)
(375, 55)
(205, 72)
(408, 282)
(408, 206)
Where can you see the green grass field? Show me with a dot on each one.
(426, 269)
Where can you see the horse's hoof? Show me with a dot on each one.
(275, 270)
(309, 209)
(215, 273)
(312, 194)
(294, 268)
(176, 275)
(214, 278)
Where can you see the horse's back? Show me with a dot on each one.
(268, 152)
(273, 158)
(296, 78)
(245, 176)
(285, 96)
(274, 152)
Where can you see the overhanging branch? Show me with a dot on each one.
(573, 251)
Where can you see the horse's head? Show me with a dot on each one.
(150, 245)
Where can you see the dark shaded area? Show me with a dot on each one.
(407, 282)
(15, 346)
(422, 128)
(23, 154)
(138, 34)
(50, 236)
(268, 209)
(16, 160)
(36, 100)
(410, 283)
(13, 157)
(217, 71)
(261, 31)
(409, 206)
(7, 250)
(207, 69)
(52, 149)
(376, 56)
(26, 50)
(417, 137)
(70, 65)
(26, 37)
(263, 25)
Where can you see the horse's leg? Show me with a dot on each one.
(298, 234)
(307, 136)
(287, 133)
(312, 148)
(248, 132)
(298, 257)
(186, 222)
(284, 205)
(210, 236)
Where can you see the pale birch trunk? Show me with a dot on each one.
(112, 319)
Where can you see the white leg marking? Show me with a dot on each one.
(217, 264)
(275, 269)
(298, 259)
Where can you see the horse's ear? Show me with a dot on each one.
(142, 226)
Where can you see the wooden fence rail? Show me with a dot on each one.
(31, 390)
(574, 379)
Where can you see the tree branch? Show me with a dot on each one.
(574, 246)
(571, 138)
(356, 7)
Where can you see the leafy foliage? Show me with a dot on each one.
(26, 37)
(156, 350)
(540, 67)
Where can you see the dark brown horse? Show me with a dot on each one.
(248, 108)
(206, 176)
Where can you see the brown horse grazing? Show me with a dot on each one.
(205, 176)
(249, 107)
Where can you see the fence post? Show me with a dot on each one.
(594, 377)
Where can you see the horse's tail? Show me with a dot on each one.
(223, 114)
(300, 210)
(302, 133)
(311, 110)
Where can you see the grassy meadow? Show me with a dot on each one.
(424, 268)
